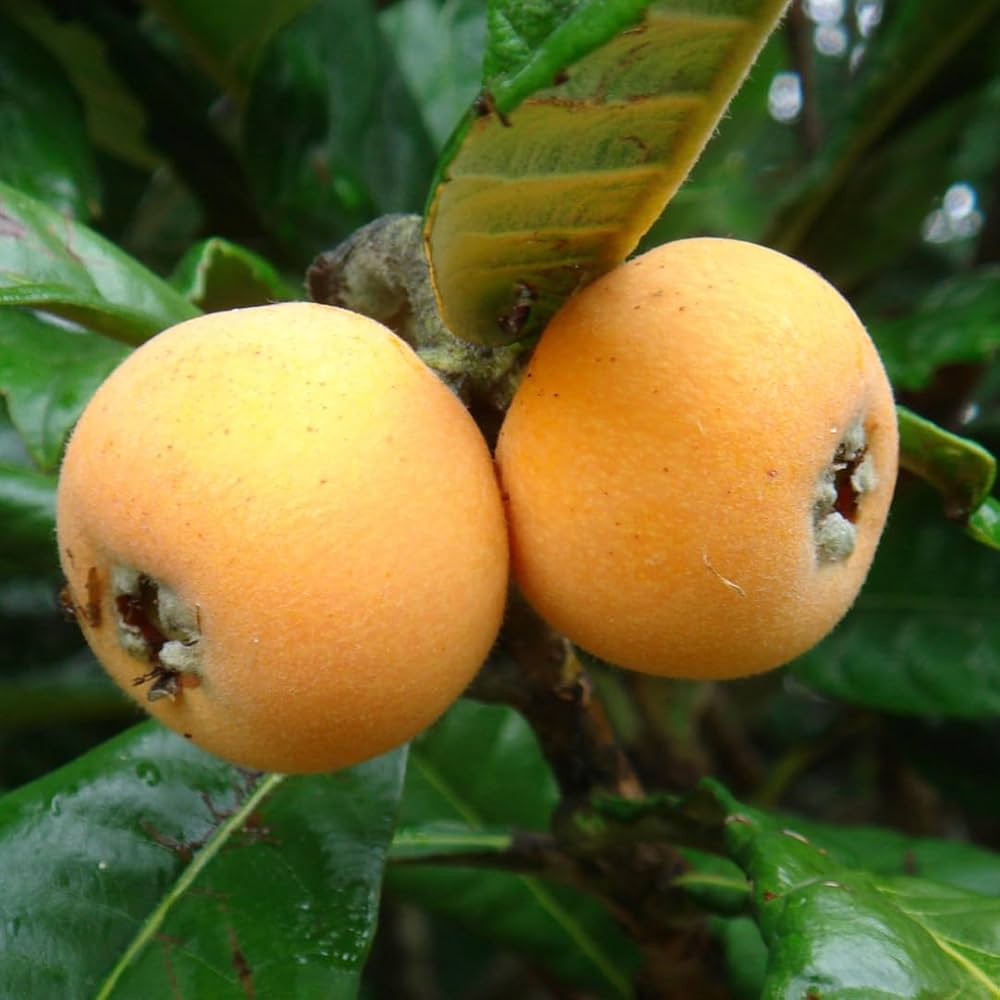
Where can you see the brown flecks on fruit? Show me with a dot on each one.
(92, 609)
(215, 557)
(775, 417)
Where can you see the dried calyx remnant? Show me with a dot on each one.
(156, 626)
(843, 482)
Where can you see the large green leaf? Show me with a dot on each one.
(147, 868)
(750, 167)
(878, 851)
(840, 932)
(49, 261)
(475, 774)
(331, 135)
(591, 116)
(924, 636)
(45, 150)
(47, 374)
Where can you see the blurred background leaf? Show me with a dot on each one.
(509, 784)
(332, 136)
(218, 146)
(46, 151)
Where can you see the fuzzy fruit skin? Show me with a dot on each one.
(661, 457)
(301, 478)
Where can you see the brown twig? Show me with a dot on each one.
(536, 673)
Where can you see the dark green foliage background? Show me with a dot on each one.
(163, 158)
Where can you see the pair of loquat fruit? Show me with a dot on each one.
(284, 534)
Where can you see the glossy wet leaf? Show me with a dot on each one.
(962, 471)
(217, 274)
(591, 116)
(331, 135)
(49, 261)
(47, 375)
(923, 637)
(837, 931)
(169, 872)
(45, 151)
(479, 772)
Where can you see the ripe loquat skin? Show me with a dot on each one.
(699, 462)
(283, 535)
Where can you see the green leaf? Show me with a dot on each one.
(924, 636)
(45, 150)
(439, 50)
(68, 691)
(184, 119)
(28, 516)
(957, 321)
(592, 115)
(331, 136)
(228, 38)
(893, 189)
(115, 119)
(886, 852)
(911, 46)
(47, 260)
(435, 841)
(216, 274)
(48, 373)
(745, 954)
(962, 471)
(749, 168)
(984, 523)
(477, 773)
(839, 932)
(167, 872)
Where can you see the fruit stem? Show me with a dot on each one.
(381, 271)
